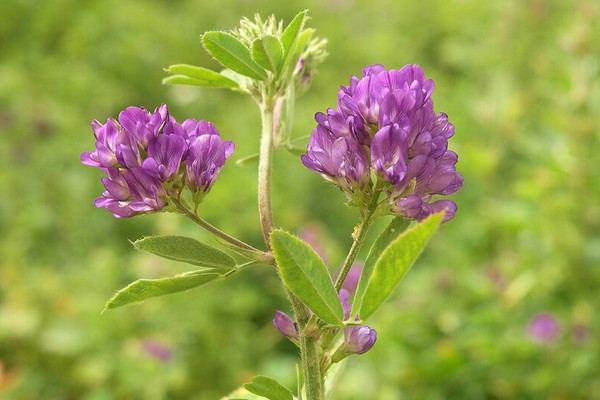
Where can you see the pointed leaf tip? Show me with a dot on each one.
(268, 388)
(232, 54)
(143, 289)
(197, 76)
(395, 261)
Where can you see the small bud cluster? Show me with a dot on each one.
(358, 339)
(385, 127)
(150, 158)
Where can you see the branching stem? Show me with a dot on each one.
(210, 228)
(359, 236)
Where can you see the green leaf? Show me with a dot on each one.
(292, 31)
(395, 261)
(306, 276)
(391, 232)
(289, 40)
(185, 249)
(198, 76)
(269, 388)
(232, 54)
(146, 288)
(267, 52)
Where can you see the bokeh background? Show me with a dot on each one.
(503, 305)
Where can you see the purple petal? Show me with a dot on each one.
(285, 325)
(445, 205)
(359, 339)
(389, 153)
(167, 151)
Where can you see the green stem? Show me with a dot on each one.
(308, 332)
(210, 228)
(264, 169)
(309, 351)
(359, 236)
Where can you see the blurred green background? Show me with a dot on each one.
(519, 79)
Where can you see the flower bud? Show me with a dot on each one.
(285, 325)
(359, 339)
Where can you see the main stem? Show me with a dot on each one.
(264, 169)
(309, 350)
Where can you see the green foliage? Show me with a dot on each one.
(197, 76)
(304, 273)
(518, 79)
(232, 54)
(395, 261)
(185, 249)
(143, 289)
(391, 232)
(291, 41)
(268, 388)
(268, 52)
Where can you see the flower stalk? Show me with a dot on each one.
(211, 228)
(359, 236)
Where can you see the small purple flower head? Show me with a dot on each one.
(147, 157)
(389, 118)
(543, 328)
(359, 339)
(285, 325)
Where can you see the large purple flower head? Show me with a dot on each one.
(388, 118)
(149, 158)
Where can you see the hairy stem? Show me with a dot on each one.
(309, 351)
(210, 228)
(309, 334)
(264, 169)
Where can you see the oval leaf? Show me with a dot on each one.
(232, 54)
(306, 276)
(146, 288)
(267, 52)
(203, 76)
(395, 261)
(185, 249)
(391, 232)
(269, 388)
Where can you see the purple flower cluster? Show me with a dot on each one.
(385, 123)
(149, 157)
